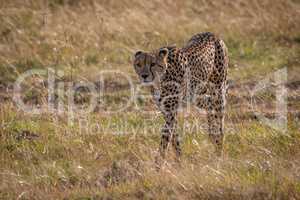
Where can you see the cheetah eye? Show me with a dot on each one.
(138, 65)
(152, 65)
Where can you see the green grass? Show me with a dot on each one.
(60, 164)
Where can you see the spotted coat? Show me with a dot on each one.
(196, 73)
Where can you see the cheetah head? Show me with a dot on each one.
(150, 66)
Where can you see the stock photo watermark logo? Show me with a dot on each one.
(67, 91)
(276, 80)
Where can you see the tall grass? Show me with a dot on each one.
(46, 157)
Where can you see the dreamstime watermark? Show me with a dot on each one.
(61, 96)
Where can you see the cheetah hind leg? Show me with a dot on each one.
(215, 116)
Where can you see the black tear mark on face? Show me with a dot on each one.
(152, 64)
(163, 53)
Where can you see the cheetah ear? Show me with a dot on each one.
(137, 53)
(163, 53)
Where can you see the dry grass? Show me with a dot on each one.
(46, 157)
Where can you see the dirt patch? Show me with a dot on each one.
(26, 135)
(293, 85)
(119, 172)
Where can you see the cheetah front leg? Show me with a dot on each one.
(169, 107)
(169, 134)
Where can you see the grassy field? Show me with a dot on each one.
(102, 155)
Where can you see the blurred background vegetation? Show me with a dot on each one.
(44, 157)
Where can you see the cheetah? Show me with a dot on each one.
(198, 72)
